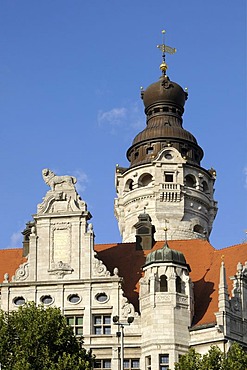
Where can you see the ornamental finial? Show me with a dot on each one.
(165, 49)
(165, 230)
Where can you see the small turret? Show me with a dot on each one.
(166, 303)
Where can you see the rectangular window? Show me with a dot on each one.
(168, 177)
(102, 324)
(164, 362)
(102, 364)
(132, 364)
(76, 322)
(148, 362)
(150, 150)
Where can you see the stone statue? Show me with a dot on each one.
(52, 180)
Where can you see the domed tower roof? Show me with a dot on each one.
(166, 255)
(164, 102)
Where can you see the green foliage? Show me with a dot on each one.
(235, 359)
(213, 360)
(35, 338)
(190, 361)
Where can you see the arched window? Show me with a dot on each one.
(198, 229)
(145, 180)
(180, 288)
(205, 187)
(163, 284)
(129, 185)
(190, 181)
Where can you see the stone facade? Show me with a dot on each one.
(63, 270)
(172, 191)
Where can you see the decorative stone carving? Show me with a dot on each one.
(61, 202)
(6, 278)
(166, 83)
(145, 301)
(60, 269)
(182, 300)
(33, 230)
(62, 197)
(53, 180)
(163, 298)
(22, 272)
(90, 229)
(127, 308)
(99, 267)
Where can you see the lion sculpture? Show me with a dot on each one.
(52, 180)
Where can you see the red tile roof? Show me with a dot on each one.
(10, 260)
(204, 262)
(203, 259)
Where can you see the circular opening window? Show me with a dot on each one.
(46, 299)
(168, 156)
(19, 301)
(74, 298)
(101, 297)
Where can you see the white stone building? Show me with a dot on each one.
(165, 275)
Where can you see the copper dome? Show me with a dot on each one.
(166, 255)
(164, 91)
(152, 132)
(164, 102)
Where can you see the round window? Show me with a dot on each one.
(168, 155)
(46, 299)
(101, 297)
(74, 298)
(19, 301)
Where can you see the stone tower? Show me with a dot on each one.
(165, 176)
(166, 304)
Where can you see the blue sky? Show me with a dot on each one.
(70, 77)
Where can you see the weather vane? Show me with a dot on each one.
(165, 49)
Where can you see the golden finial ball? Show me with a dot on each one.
(163, 66)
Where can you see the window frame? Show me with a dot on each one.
(130, 363)
(148, 362)
(102, 325)
(164, 365)
(169, 177)
(75, 326)
(102, 363)
(163, 283)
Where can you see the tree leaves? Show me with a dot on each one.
(235, 359)
(38, 338)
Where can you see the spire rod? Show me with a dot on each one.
(165, 230)
(165, 49)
